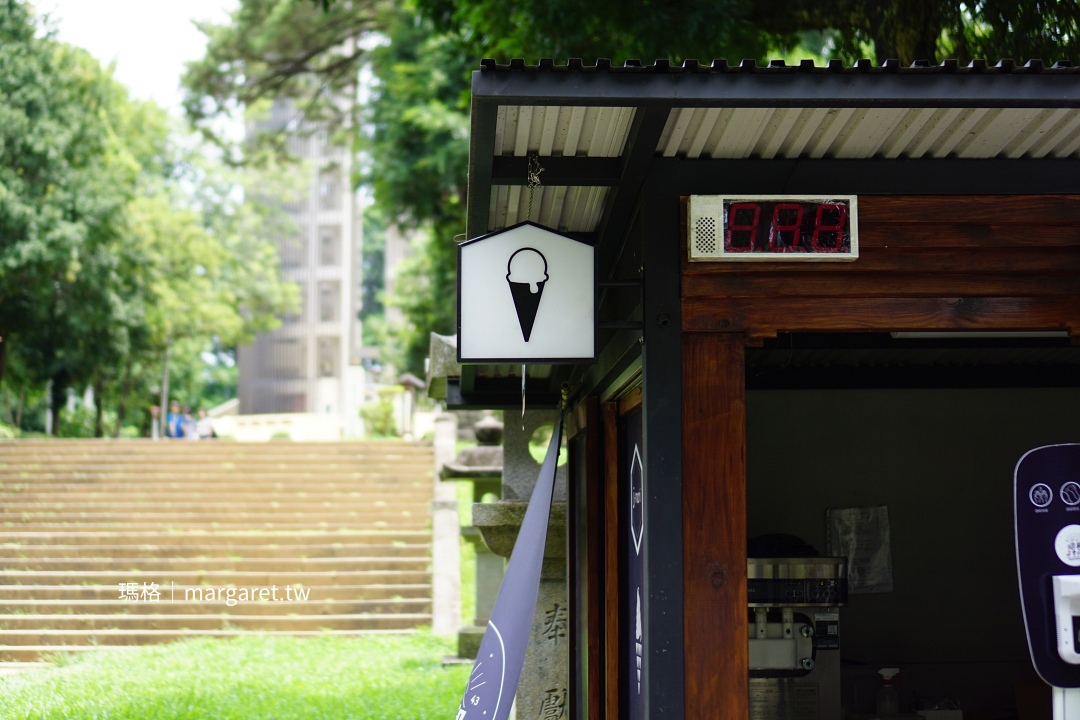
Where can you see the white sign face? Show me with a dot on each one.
(526, 294)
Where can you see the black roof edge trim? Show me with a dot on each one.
(1004, 66)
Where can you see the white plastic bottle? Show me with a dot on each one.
(888, 702)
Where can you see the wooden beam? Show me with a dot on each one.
(592, 575)
(714, 526)
(898, 234)
(878, 284)
(610, 418)
(762, 318)
(1020, 210)
(914, 260)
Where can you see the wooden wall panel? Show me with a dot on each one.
(897, 234)
(610, 418)
(763, 318)
(925, 263)
(976, 209)
(871, 284)
(929, 260)
(714, 527)
(587, 546)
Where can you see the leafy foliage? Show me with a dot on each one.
(414, 131)
(104, 261)
(281, 48)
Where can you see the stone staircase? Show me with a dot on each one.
(124, 543)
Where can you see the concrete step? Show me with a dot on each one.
(31, 610)
(185, 501)
(351, 461)
(217, 483)
(216, 514)
(149, 566)
(415, 522)
(134, 624)
(53, 446)
(339, 550)
(354, 458)
(76, 593)
(113, 544)
(23, 469)
(237, 453)
(215, 578)
(198, 536)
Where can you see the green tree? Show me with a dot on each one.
(413, 137)
(64, 184)
(907, 30)
(281, 48)
(114, 244)
(416, 134)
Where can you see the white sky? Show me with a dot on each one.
(150, 40)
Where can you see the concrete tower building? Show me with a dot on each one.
(311, 364)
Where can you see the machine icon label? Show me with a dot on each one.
(1041, 495)
(1070, 493)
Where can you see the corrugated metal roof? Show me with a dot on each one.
(564, 208)
(719, 111)
(562, 131)
(847, 133)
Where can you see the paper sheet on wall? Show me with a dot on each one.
(862, 536)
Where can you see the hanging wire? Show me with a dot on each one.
(532, 181)
(532, 177)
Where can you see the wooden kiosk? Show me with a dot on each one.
(761, 393)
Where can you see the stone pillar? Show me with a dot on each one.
(445, 550)
(542, 692)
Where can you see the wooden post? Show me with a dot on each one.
(714, 526)
(610, 419)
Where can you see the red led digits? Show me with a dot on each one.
(738, 216)
(785, 236)
(792, 229)
(836, 228)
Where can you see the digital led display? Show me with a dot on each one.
(773, 227)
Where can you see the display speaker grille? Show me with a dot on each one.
(705, 223)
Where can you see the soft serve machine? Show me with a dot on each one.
(795, 636)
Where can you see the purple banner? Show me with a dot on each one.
(495, 675)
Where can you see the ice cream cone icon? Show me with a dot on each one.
(526, 273)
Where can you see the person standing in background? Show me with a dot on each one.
(205, 426)
(174, 421)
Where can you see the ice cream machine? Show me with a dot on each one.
(794, 608)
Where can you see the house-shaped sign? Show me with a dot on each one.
(526, 294)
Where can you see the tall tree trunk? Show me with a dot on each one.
(19, 407)
(164, 392)
(121, 403)
(3, 358)
(99, 425)
(52, 419)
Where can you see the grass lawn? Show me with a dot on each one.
(381, 677)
